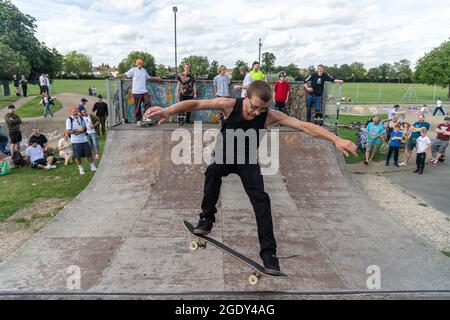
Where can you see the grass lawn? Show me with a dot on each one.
(6, 101)
(351, 135)
(34, 109)
(23, 185)
(68, 86)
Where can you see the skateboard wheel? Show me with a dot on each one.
(194, 245)
(253, 279)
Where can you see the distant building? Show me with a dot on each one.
(104, 70)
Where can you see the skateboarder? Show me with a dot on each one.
(249, 113)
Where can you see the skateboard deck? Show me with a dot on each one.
(318, 119)
(201, 242)
(145, 123)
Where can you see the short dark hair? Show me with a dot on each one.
(11, 106)
(261, 89)
(321, 65)
(100, 96)
(254, 64)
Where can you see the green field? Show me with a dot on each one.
(34, 109)
(6, 101)
(359, 92)
(23, 185)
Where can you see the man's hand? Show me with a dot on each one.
(163, 113)
(345, 145)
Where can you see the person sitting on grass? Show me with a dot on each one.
(394, 145)
(374, 132)
(35, 156)
(423, 144)
(65, 149)
(41, 140)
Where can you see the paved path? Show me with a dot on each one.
(124, 231)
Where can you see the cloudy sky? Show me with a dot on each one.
(301, 32)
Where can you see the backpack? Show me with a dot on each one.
(18, 159)
(71, 124)
(4, 168)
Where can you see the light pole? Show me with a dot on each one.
(260, 45)
(175, 9)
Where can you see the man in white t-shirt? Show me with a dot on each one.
(76, 128)
(139, 87)
(439, 107)
(43, 84)
(35, 156)
(247, 81)
(423, 144)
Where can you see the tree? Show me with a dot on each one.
(236, 73)
(17, 30)
(358, 71)
(292, 70)
(130, 62)
(434, 67)
(77, 64)
(162, 71)
(268, 61)
(213, 69)
(403, 70)
(346, 72)
(386, 72)
(199, 65)
(373, 74)
(12, 63)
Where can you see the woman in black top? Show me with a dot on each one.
(186, 90)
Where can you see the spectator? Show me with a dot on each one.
(395, 112)
(13, 123)
(24, 83)
(243, 70)
(35, 156)
(65, 149)
(315, 90)
(41, 140)
(82, 105)
(4, 143)
(440, 144)
(90, 91)
(139, 87)
(439, 107)
(94, 91)
(222, 83)
(281, 89)
(43, 84)
(46, 101)
(101, 111)
(256, 73)
(186, 88)
(374, 132)
(391, 125)
(92, 123)
(422, 145)
(415, 134)
(394, 145)
(47, 83)
(16, 85)
(76, 127)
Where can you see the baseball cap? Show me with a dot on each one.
(84, 100)
(73, 109)
(11, 106)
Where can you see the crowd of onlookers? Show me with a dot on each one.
(80, 139)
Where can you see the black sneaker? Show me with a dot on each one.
(204, 227)
(271, 265)
(366, 163)
(416, 171)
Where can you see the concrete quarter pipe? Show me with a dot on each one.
(124, 231)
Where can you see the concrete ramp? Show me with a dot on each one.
(124, 232)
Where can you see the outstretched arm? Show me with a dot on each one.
(119, 76)
(224, 105)
(344, 146)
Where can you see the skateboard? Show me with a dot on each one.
(202, 241)
(181, 118)
(318, 119)
(145, 123)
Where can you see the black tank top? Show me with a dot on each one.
(245, 133)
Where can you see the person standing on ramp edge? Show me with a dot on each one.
(249, 113)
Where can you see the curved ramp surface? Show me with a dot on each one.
(124, 232)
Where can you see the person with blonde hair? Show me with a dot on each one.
(139, 87)
(222, 83)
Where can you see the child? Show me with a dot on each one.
(422, 146)
(394, 145)
(281, 89)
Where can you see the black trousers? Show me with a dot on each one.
(188, 114)
(394, 150)
(25, 91)
(420, 160)
(252, 180)
(102, 124)
(438, 109)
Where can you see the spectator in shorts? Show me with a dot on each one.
(423, 144)
(281, 90)
(92, 123)
(13, 123)
(65, 149)
(41, 140)
(76, 127)
(16, 85)
(222, 83)
(35, 156)
(4, 143)
(440, 144)
(439, 107)
(374, 132)
(101, 111)
(394, 145)
(412, 142)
